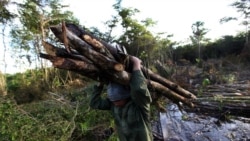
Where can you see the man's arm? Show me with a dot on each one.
(139, 90)
(96, 101)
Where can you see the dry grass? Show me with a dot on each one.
(3, 88)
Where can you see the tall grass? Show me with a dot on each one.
(57, 108)
(3, 87)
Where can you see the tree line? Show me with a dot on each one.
(28, 26)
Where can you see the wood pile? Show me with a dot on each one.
(96, 59)
(225, 99)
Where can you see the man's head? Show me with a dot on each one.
(117, 92)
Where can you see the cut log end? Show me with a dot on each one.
(92, 41)
(49, 48)
(118, 67)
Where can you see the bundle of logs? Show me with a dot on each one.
(96, 59)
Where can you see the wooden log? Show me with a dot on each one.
(96, 43)
(237, 106)
(78, 66)
(161, 89)
(86, 50)
(173, 86)
(60, 52)
(65, 39)
(81, 33)
(91, 71)
(56, 55)
(104, 70)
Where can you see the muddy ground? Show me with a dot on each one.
(223, 114)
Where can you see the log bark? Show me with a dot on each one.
(161, 89)
(60, 52)
(86, 50)
(173, 86)
(96, 43)
(224, 99)
(96, 59)
(237, 106)
(90, 70)
(156, 77)
(77, 66)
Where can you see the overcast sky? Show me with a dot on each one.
(172, 16)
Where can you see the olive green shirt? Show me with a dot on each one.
(133, 120)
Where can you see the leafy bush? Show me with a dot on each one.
(37, 121)
(61, 116)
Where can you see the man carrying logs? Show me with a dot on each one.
(130, 107)
(89, 56)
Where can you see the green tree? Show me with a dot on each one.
(6, 17)
(35, 17)
(136, 38)
(242, 7)
(199, 33)
(165, 47)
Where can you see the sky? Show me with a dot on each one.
(172, 16)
